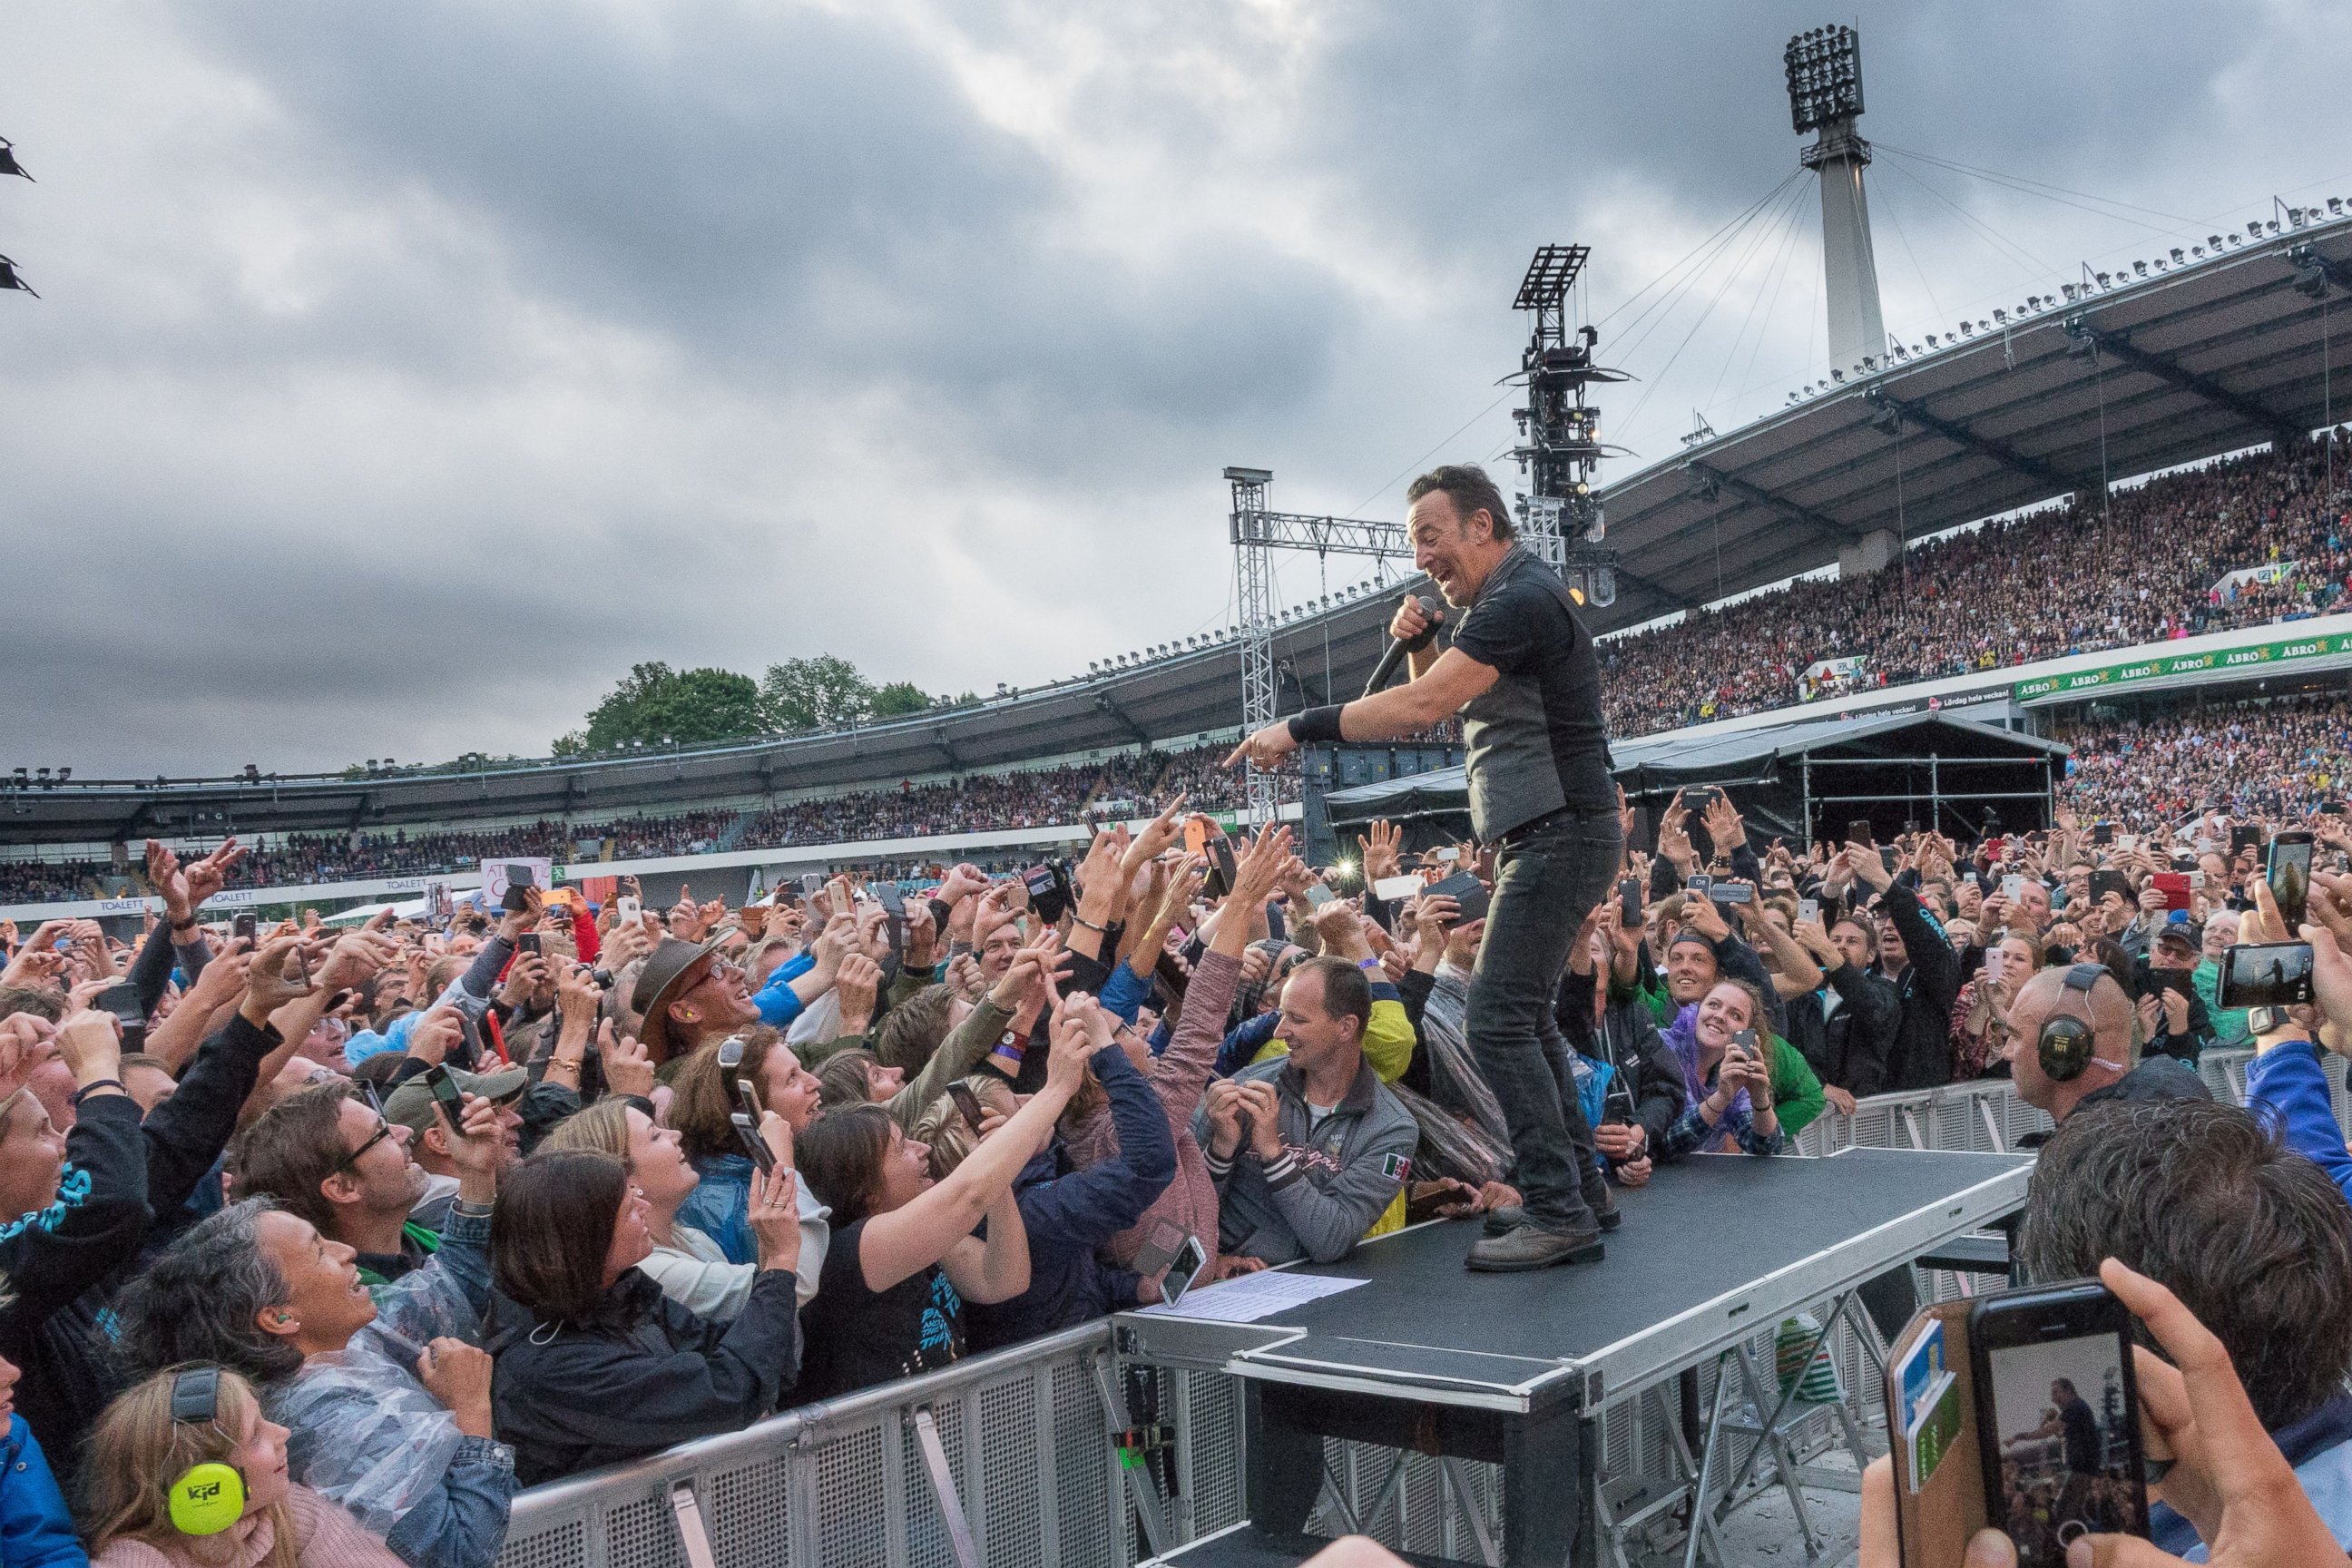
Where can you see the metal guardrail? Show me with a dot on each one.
(1028, 1435)
(845, 1484)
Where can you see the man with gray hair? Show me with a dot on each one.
(386, 1397)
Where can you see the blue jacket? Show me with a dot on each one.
(36, 1528)
(1244, 1043)
(2287, 1082)
(718, 1207)
(1070, 1213)
(778, 1002)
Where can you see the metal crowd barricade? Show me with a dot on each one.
(1026, 1439)
(1024, 1445)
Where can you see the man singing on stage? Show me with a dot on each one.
(1523, 675)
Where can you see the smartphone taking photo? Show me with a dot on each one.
(2290, 877)
(754, 1145)
(446, 1094)
(1191, 1261)
(2058, 1432)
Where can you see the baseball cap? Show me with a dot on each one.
(2182, 933)
(411, 1105)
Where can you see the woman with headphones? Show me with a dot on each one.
(186, 1470)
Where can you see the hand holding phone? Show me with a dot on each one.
(747, 1131)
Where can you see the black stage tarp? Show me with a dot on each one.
(1796, 780)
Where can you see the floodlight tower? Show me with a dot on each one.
(1825, 97)
(1559, 433)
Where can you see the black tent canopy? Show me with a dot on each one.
(1797, 780)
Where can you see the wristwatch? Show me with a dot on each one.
(2269, 1021)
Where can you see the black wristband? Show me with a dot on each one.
(1317, 725)
(93, 1087)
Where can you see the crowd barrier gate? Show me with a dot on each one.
(1019, 1453)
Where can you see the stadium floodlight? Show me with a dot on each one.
(2212, 242)
(10, 278)
(8, 164)
(1824, 70)
(2177, 258)
(2139, 269)
(2335, 206)
(2002, 316)
(64, 773)
(1931, 340)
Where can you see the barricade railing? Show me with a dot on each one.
(848, 1484)
(1027, 1437)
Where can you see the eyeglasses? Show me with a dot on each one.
(383, 1130)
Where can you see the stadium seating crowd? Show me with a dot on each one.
(1042, 797)
(2065, 580)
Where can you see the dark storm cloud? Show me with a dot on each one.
(405, 374)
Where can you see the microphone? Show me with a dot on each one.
(1394, 655)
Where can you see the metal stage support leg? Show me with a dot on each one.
(1547, 1460)
(1706, 1501)
(1141, 1492)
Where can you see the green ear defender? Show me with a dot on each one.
(207, 1498)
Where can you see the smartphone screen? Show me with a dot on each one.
(1389, 890)
(2290, 876)
(2104, 833)
(754, 1145)
(1190, 1260)
(894, 901)
(244, 927)
(446, 1093)
(1196, 836)
(2012, 888)
(1809, 908)
(1318, 895)
(811, 883)
(2057, 1418)
(1629, 900)
(2265, 974)
(527, 943)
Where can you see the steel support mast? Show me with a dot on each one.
(1559, 433)
(1824, 69)
(1257, 534)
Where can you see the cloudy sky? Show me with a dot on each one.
(403, 374)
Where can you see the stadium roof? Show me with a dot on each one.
(2192, 362)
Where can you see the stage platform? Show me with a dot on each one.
(1511, 1368)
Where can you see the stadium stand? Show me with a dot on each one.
(2068, 579)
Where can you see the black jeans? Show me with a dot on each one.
(1545, 881)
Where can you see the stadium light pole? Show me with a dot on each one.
(1824, 69)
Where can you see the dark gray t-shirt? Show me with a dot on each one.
(1535, 739)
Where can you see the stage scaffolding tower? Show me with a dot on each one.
(1560, 444)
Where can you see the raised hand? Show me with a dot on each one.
(773, 1215)
(628, 1070)
(1382, 849)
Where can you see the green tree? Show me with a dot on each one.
(655, 705)
(805, 693)
(899, 697)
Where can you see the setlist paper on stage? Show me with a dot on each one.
(1246, 1298)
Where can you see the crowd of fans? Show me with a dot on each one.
(397, 1221)
(2072, 578)
(2281, 757)
(1044, 797)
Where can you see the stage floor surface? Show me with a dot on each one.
(1715, 1248)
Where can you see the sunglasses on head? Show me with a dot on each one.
(730, 1052)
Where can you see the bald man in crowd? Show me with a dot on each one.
(2114, 1071)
